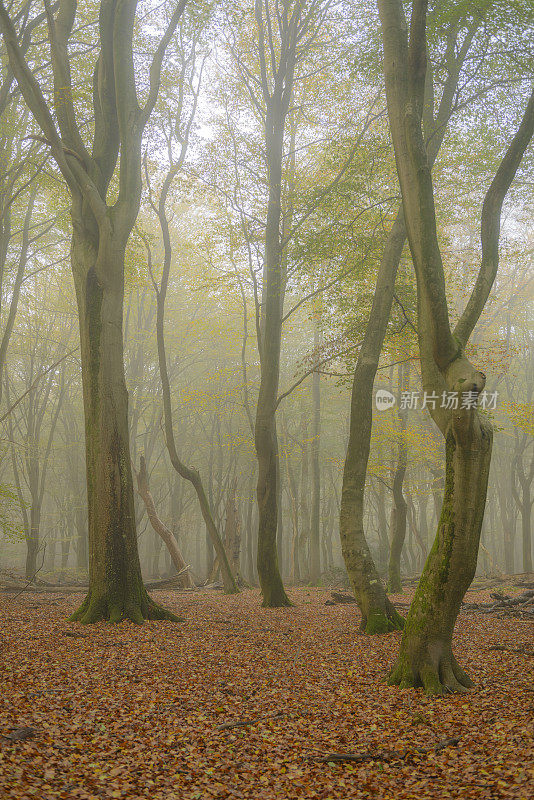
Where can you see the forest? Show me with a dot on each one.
(266, 399)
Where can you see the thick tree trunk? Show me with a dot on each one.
(426, 657)
(81, 541)
(116, 588)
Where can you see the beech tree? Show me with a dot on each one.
(426, 656)
(378, 613)
(104, 207)
(284, 37)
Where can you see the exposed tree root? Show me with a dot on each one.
(378, 621)
(107, 609)
(439, 677)
(277, 599)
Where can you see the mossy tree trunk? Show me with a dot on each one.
(366, 584)
(100, 233)
(425, 656)
(116, 588)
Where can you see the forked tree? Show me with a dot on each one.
(378, 613)
(426, 656)
(104, 207)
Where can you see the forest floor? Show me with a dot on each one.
(239, 702)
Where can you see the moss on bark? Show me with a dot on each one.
(98, 607)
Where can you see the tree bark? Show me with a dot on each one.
(398, 509)
(426, 648)
(398, 526)
(315, 559)
(426, 656)
(366, 584)
(116, 588)
(265, 435)
(100, 235)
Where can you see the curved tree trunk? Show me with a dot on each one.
(160, 528)
(366, 584)
(426, 657)
(398, 510)
(426, 648)
(378, 613)
(398, 532)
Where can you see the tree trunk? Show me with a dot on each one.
(81, 542)
(32, 542)
(160, 528)
(156, 552)
(249, 540)
(378, 613)
(280, 512)
(383, 543)
(116, 588)
(267, 493)
(315, 560)
(304, 536)
(398, 535)
(426, 648)
(426, 657)
(265, 435)
(526, 535)
(292, 487)
(232, 531)
(65, 550)
(398, 510)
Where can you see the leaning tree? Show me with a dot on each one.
(426, 656)
(451, 84)
(105, 202)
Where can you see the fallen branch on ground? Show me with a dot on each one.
(383, 755)
(240, 723)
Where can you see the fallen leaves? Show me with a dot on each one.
(240, 701)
